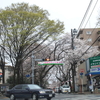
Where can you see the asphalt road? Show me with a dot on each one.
(69, 97)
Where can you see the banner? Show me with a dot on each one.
(50, 63)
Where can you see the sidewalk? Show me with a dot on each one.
(86, 93)
(2, 96)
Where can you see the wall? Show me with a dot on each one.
(82, 80)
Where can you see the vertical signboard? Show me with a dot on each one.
(87, 65)
(94, 64)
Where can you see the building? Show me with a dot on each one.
(8, 72)
(90, 76)
(91, 35)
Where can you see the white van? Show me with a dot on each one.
(65, 89)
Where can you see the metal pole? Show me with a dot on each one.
(72, 39)
(72, 63)
(82, 84)
(32, 68)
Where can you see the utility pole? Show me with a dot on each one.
(33, 61)
(72, 39)
(73, 63)
(33, 65)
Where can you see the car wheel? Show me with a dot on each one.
(34, 97)
(48, 98)
(12, 97)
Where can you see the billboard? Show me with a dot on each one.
(94, 62)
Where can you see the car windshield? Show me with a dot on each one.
(34, 86)
(65, 86)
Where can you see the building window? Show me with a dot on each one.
(89, 40)
(88, 32)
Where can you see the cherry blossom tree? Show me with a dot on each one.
(70, 57)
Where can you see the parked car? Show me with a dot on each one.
(65, 89)
(27, 91)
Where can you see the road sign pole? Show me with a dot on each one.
(81, 75)
(82, 84)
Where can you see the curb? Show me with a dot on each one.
(86, 93)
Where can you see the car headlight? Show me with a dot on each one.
(42, 91)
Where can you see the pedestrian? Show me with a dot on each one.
(91, 88)
(60, 89)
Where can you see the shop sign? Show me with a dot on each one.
(50, 63)
(95, 70)
(94, 62)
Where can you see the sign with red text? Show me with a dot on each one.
(81, 70)
(50, 63)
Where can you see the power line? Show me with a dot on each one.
(85, 15)
(91, 13)
(87, 22)
(89, 18)
(90, 46)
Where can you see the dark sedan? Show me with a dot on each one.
(28, 91)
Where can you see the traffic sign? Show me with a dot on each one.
(50, 63)
(81, 70)
(27, 75)
(81, 73)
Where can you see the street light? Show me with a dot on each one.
(73, 31)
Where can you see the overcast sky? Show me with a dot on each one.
(70, 12)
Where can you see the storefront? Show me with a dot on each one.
(93, 71)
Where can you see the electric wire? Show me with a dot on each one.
(85, 15)
(90, 46)
(91, 13)
(89, 18)
(93, 28)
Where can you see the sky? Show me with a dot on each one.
(71, 12)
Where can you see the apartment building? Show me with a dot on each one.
(91, 35)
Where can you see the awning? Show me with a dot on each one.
(92, 73)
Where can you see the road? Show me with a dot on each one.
(70, 97)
